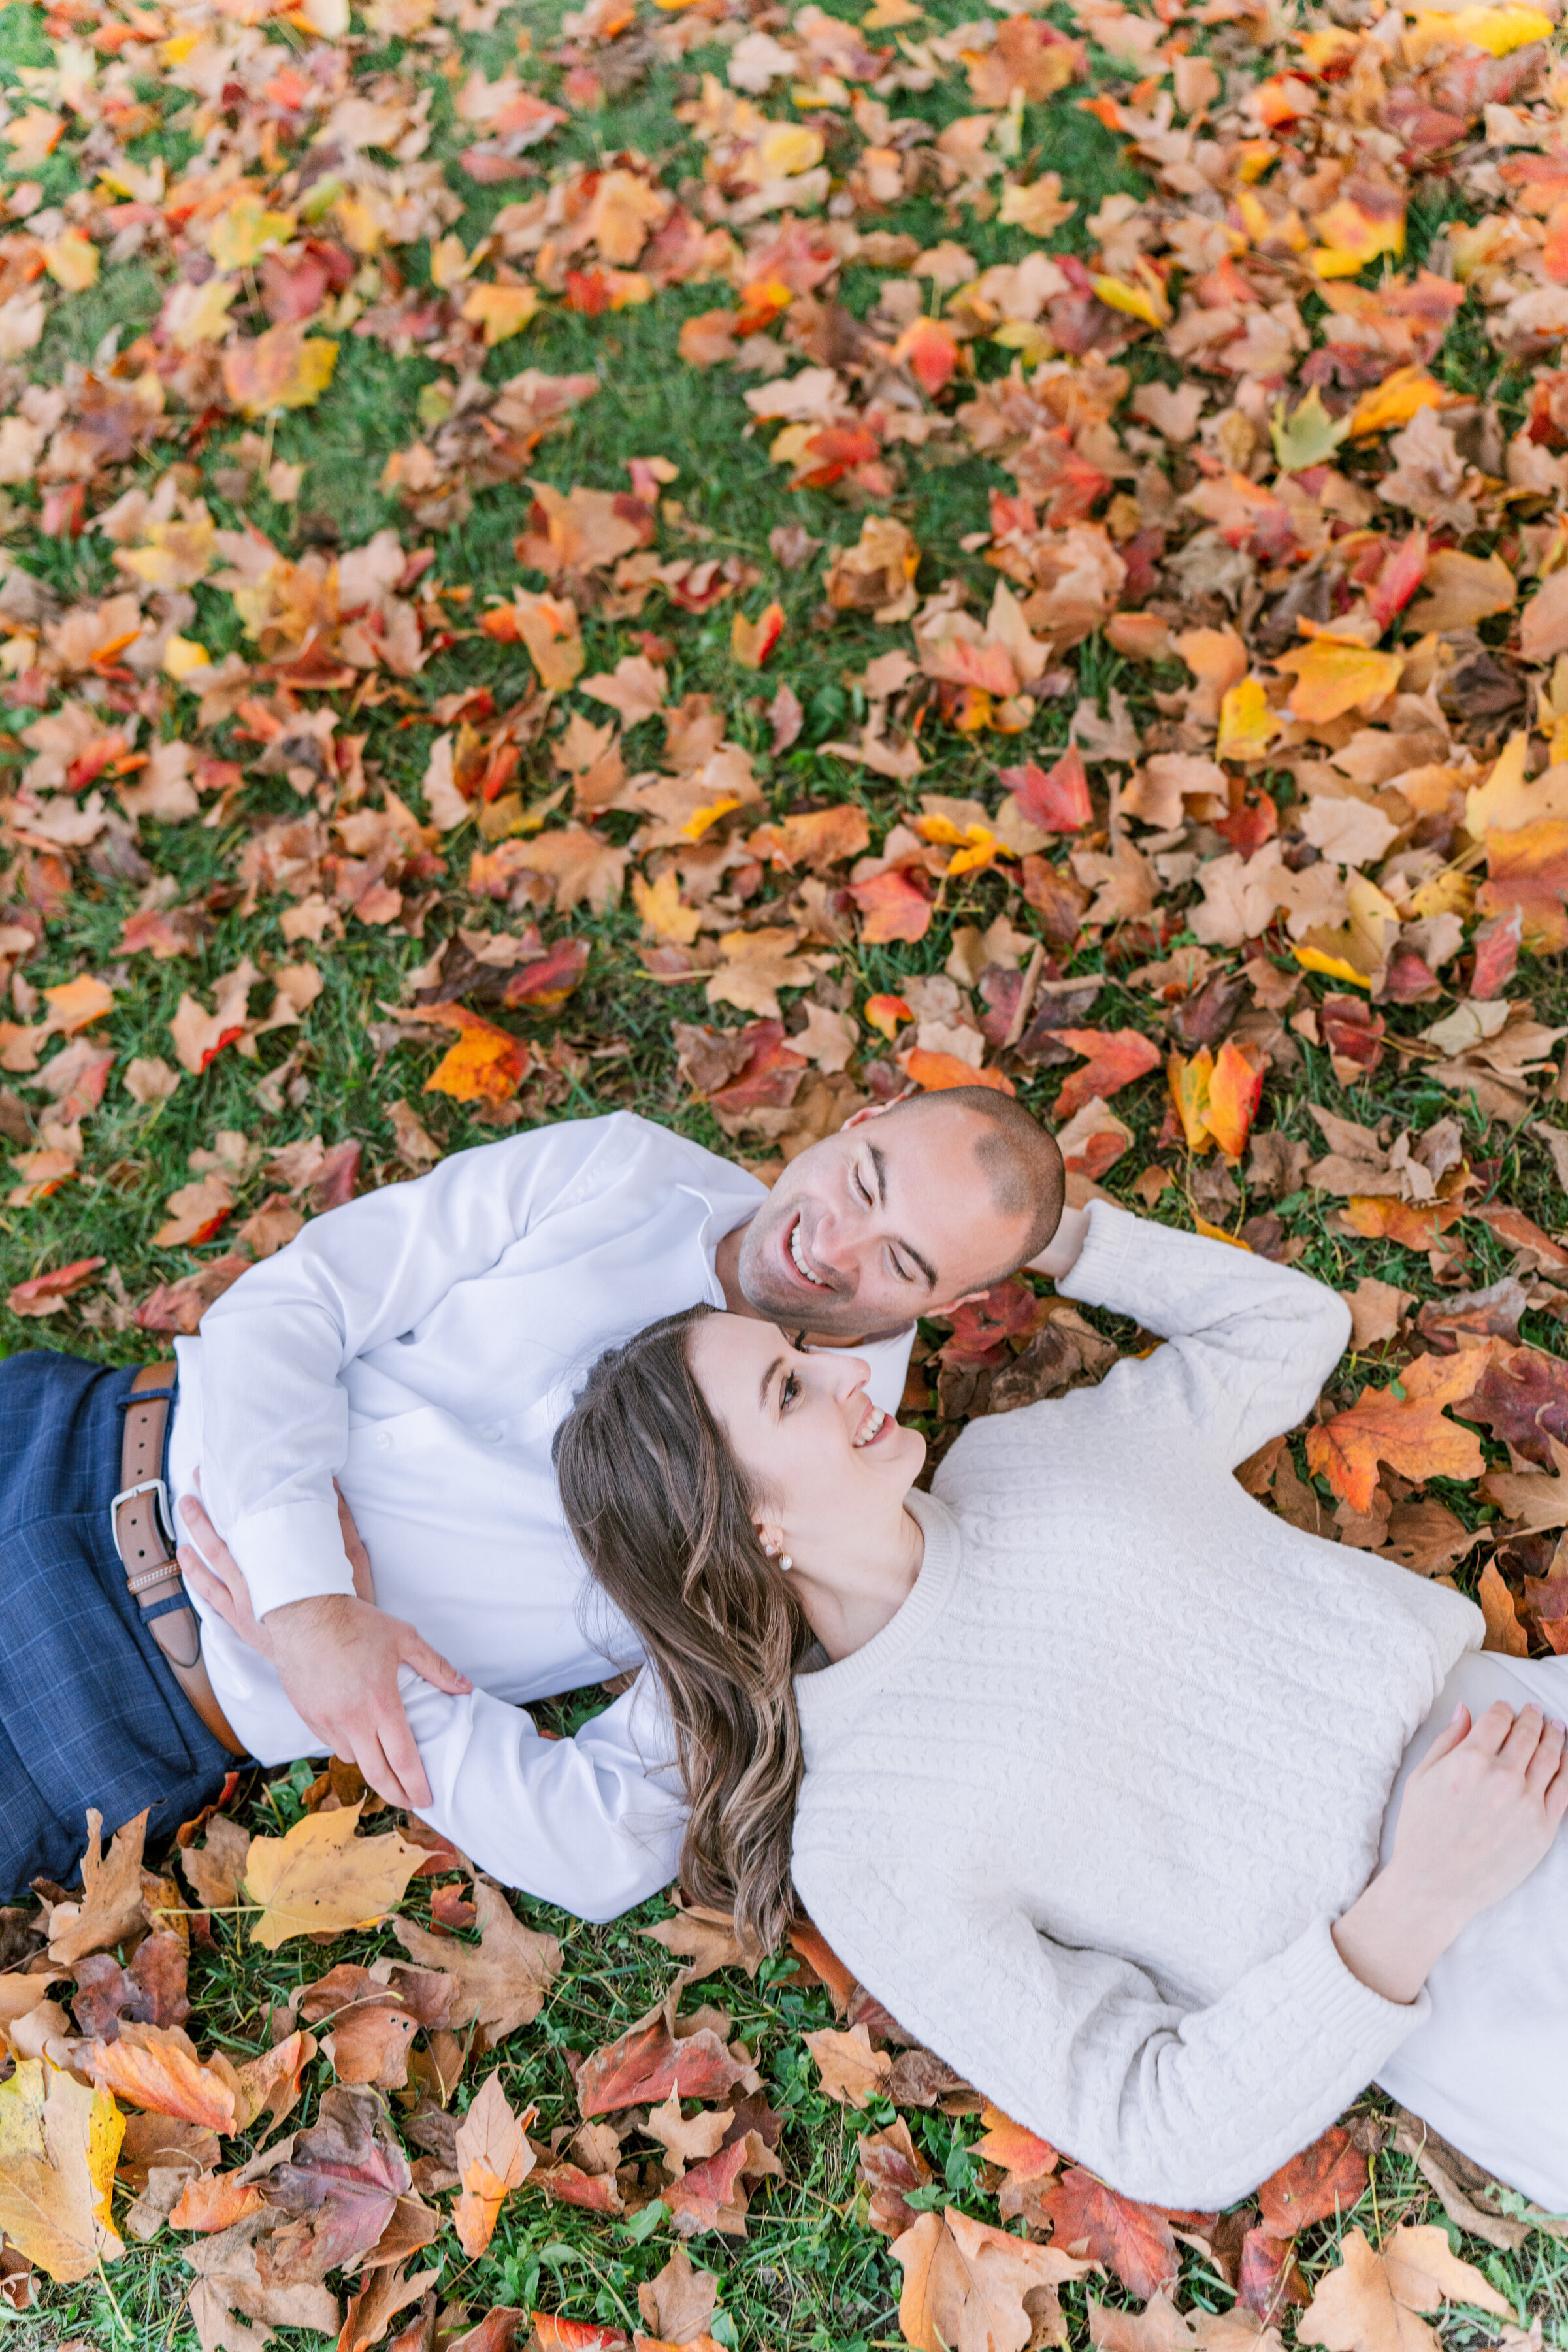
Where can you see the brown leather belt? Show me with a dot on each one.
(144, 1539)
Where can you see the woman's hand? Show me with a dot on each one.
(337, 1657)
(1480, 1812)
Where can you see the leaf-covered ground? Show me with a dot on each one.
(724, 561)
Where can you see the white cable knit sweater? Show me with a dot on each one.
(1082, 1813)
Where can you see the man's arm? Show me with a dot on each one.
(273, 1411)
(275, 1424)
(593, 1824)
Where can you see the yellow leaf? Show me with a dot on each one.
(1506, 801)
(239, 236)
(664, 917)
(1217, 1234)
(76, 1002)
(1335, 675)
(1496, 30)
(59, 2146)
(1353, 237)
(281, 369)
(321, 1879)
(183, 658)
(700, 819)
(1358, 951)
(1395, 401)
(788, 148)
(1247, 725)
(500, 310)
(450, 262)
(72, 261)
(1147, 299)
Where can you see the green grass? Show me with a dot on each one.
(810, 2273)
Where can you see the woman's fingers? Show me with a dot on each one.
(1539, 1771)
(1523, 1740)
(1453, 1734)
(1492, 1728)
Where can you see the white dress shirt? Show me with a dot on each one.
(421, 1346)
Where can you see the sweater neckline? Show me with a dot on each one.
(818, 1696)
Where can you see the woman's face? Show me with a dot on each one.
(825, 1459)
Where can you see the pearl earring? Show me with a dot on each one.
(786, 1563)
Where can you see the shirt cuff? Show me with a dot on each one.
(293, 1553)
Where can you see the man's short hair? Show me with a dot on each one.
(1019, 1159)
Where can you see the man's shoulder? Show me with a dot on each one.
(627, 1141)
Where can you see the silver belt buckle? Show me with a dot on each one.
(166, 1518)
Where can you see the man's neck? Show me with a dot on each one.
(727, 1266)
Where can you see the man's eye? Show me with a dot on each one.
(863, 1190)
(901, 1270)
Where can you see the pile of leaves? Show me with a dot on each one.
(728, 559)
(374, 2143)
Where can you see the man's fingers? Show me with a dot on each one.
(194, 1513)
(383, 1774)
(432, 1668)
(402, 1758)
(206, 1585)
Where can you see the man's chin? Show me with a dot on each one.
(794, 1307)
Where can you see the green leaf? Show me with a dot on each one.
(1309, 436)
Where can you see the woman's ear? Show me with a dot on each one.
(771, 1536)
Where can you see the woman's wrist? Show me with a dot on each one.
(1393, 1933)
(1061, 1253)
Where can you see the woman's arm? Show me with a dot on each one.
(1249, 1343)
(1194, 2106)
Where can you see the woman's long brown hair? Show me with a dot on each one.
(665, 1520)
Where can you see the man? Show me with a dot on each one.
(421, 1346)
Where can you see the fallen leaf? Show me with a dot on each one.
(502, 1982)
(58, 2143)
(493, 2158)
(1369, 2302)
(970, 2288)
(319, 1878)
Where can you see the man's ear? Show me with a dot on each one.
(968, 1300)
(877, 1110)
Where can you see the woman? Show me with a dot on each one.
(1083, 1762)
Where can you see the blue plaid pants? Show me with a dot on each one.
(89, 1712)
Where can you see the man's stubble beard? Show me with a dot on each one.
(825, 1315)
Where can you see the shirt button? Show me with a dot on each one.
(382, 1439)
(491, 1435)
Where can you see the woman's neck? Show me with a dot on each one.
(863, 1583)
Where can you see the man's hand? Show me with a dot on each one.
(337, 1657)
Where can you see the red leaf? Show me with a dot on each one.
(1326, 2178)
(1400, 578)
(558, 2334)
(550, 980)
(337, 1178)
(1134, 2241)
(648, 2063)
(1267, 2277)
(1116, 1056)
(981, 1327)
(1055, 798)
(894, 907)
(45, 1293)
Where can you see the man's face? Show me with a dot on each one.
(891, 1218)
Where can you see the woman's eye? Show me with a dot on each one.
(788, 1391)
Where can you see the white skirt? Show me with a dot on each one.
(1488, 2070)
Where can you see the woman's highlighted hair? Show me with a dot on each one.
(665, 1521)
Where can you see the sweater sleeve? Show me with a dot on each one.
(1178, 2107)
(1248, 1343)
